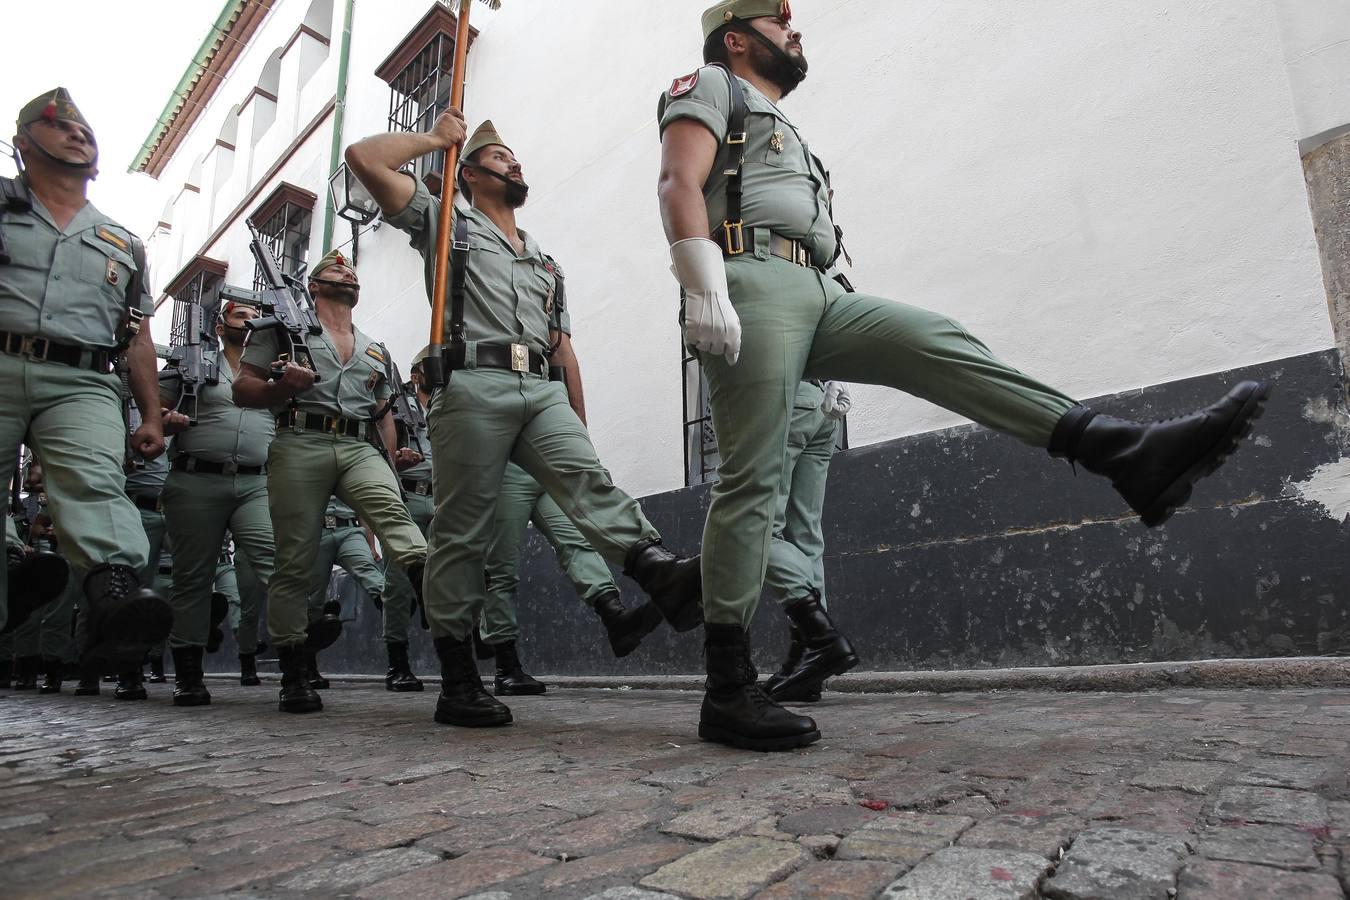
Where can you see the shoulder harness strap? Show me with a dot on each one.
(131, 325)
(559, 300)
(459, 273)
(731, 159)
(13, 198)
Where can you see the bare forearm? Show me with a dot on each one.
(684, 213)
(390, 152)
(566, 358)
(252, 392)
(142, 377)
(388, 434)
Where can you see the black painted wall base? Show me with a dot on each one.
(964, 549)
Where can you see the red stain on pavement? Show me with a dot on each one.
(998, 873)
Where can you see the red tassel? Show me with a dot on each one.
(49, 111)
(339, 260)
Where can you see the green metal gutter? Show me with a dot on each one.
(194, 69)
(339, 114)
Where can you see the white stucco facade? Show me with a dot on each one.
(1110, 195)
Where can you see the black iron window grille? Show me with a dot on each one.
(203, 289)
(286, 234)
(419, 93)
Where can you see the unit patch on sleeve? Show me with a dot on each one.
(684, 85)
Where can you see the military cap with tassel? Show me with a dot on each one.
(714, 17)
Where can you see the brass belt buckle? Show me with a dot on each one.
(800, 255)
(330, 521)
(733, 237)
(423, 488)
(520, 358)
(334, 425)
(28, 346)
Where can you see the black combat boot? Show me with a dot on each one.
(35, 579)
(463, 700)
(220, 608)
(794, 656)
(296, 694)
(312, 675)
(88, 685)
(26, 672)
(673, 582)
(512, 680)
(51, 675)
(188, 689)
(248, 670)
(1155, 465)
(6, 673)
(157, 667)
(324, 631)
(825, 651)
(124, 619)
(626, 627)
(131, 685)
(736, 711)
(400, 677)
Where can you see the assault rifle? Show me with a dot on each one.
(285, 305)
(188, 356)
(408, 415)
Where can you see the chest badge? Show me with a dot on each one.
(114, 276)
(776, 142)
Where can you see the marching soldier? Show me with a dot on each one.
(796, 572)
(73, 297)
(322, 447)
(398, 597)
(762, 314)
(348, 544)
(218, 485)
(238, 584)
(499, 405)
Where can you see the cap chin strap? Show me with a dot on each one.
(93, 163)
(499, 176)
(778, 51)
(341, 284)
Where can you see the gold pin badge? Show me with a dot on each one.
(776, 142)
(114, 276)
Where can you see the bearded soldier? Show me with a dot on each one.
(746, 209)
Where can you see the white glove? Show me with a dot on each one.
(837, 402)
(710, 322)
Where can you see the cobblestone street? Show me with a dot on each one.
(1197, 794)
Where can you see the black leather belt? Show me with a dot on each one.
(340, 522)
(43, 350)
(413, 486)
(147, 503)
(185, 463)
(354, 428)
(516, 357)
(790, 249)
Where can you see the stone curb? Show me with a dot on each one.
(1306, 671)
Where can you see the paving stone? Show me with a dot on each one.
(459, 877)
(1297, 774)
(586, 836)
(629, 861)
(23, 821)
(844, 880)
(839, 819)
(1212, 880)
(903, 838)
(631, 893)
(367, 868)
(963, 873)
(716, 821)
(1274, 806)
(1267, 845)
(1191, 777)
(421, 772)
(1117, 864)
(1171, 812)
(1035, 834)
(820, 845)
(729, 870)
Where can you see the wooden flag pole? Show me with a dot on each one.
(434, 365)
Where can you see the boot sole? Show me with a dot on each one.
(129, 632)
(138, 695)
(405, 688)
(445, 718)
(763, 745)
(531, 691)
(250, 682)
(305, 707)
(1179, 491)
(788, 691)
(322, 635)
(191, 701)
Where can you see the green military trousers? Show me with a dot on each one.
(304, 469)
(236, 579)
(522, 500)
(397, 596)
(797, 543)
(796, 324)
(346, 547)
(482, 419)
(72, 418)
(198, 509)
(152, 523)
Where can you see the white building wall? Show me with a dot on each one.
(1109, 194)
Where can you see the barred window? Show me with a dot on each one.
(701, 454)
(418, 73)
(286, 234)
(199, 282)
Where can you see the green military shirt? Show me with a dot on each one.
(353, 391)
(785, 188)
(68, 286)
(508, 298)
(146, 479)
(224, 433)
(421, 471)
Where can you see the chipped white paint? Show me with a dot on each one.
(1329, 488)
